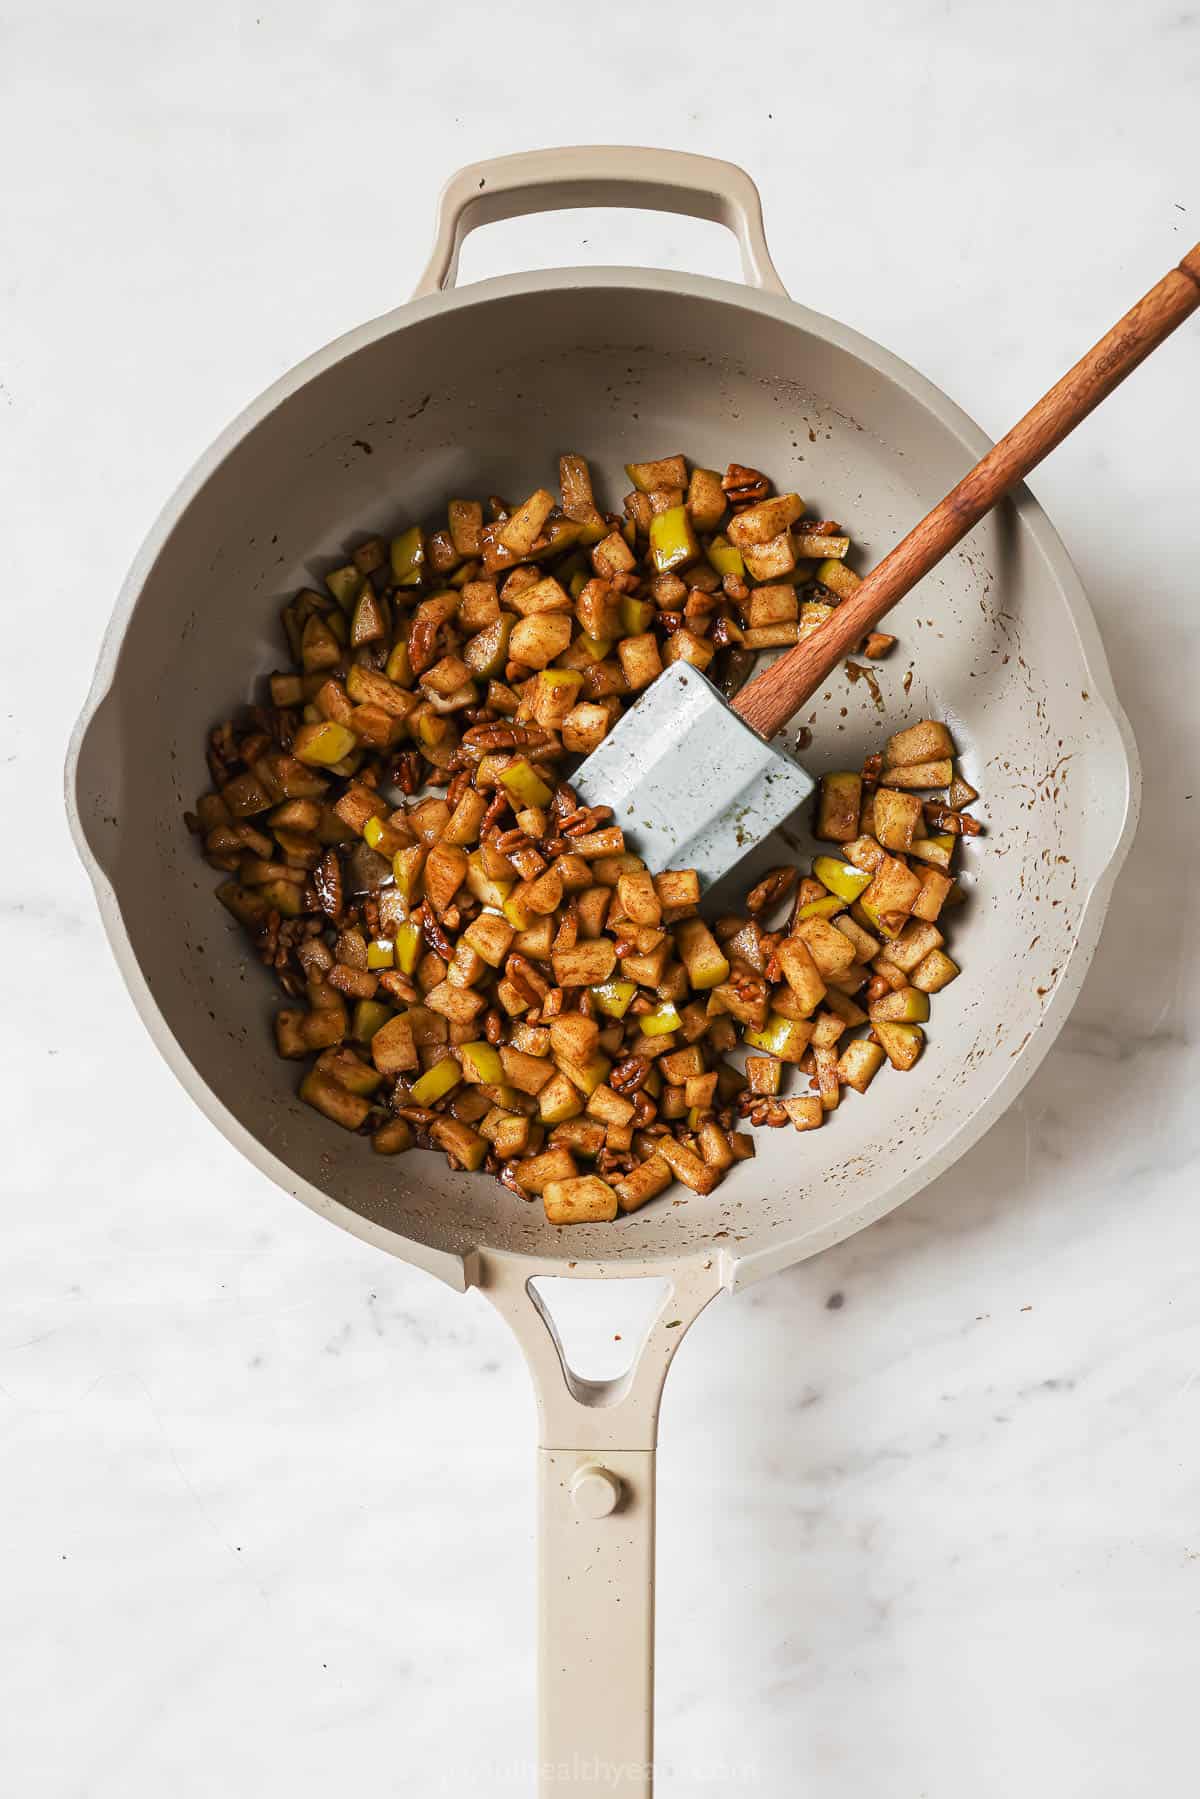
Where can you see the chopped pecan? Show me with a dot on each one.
(565, 801)
(223, 758)
(532, 987)
(761, 1110)
(493, 1026)
(567, 934)
(397, 986)
(775, 885)
(644, 1111)
(744, 486)
(266, 939)
(414, 1114)
(584, 819)
(945, 818)
(508, 1178)
(748, 986)
(872, 768)
(314, 956)
(327, 880)
(405, 772)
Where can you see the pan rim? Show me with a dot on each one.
(463, 1268)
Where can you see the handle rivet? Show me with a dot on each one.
(594, 1491)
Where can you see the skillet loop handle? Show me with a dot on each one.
(596, 1494)
(510, 187)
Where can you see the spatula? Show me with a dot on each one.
(695, 781)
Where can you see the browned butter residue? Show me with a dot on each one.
(855, 671)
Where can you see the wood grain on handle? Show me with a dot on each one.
(769, 701)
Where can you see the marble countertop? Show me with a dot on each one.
(928, 1515)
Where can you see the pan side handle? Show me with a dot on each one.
(596, 1479)
(509, 187)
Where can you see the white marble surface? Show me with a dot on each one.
(265, 1520)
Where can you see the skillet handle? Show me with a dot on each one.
(596, 1474)
(509, 187)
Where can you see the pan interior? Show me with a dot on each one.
(480, 395)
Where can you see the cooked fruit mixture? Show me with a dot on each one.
(476, 963)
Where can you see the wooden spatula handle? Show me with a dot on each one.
(768, 702)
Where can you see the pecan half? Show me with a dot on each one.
(424, 639)
(458, 786)
(497, 807)
(565, 801)
(486, 740)
(432, 931)
(630, 1076)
